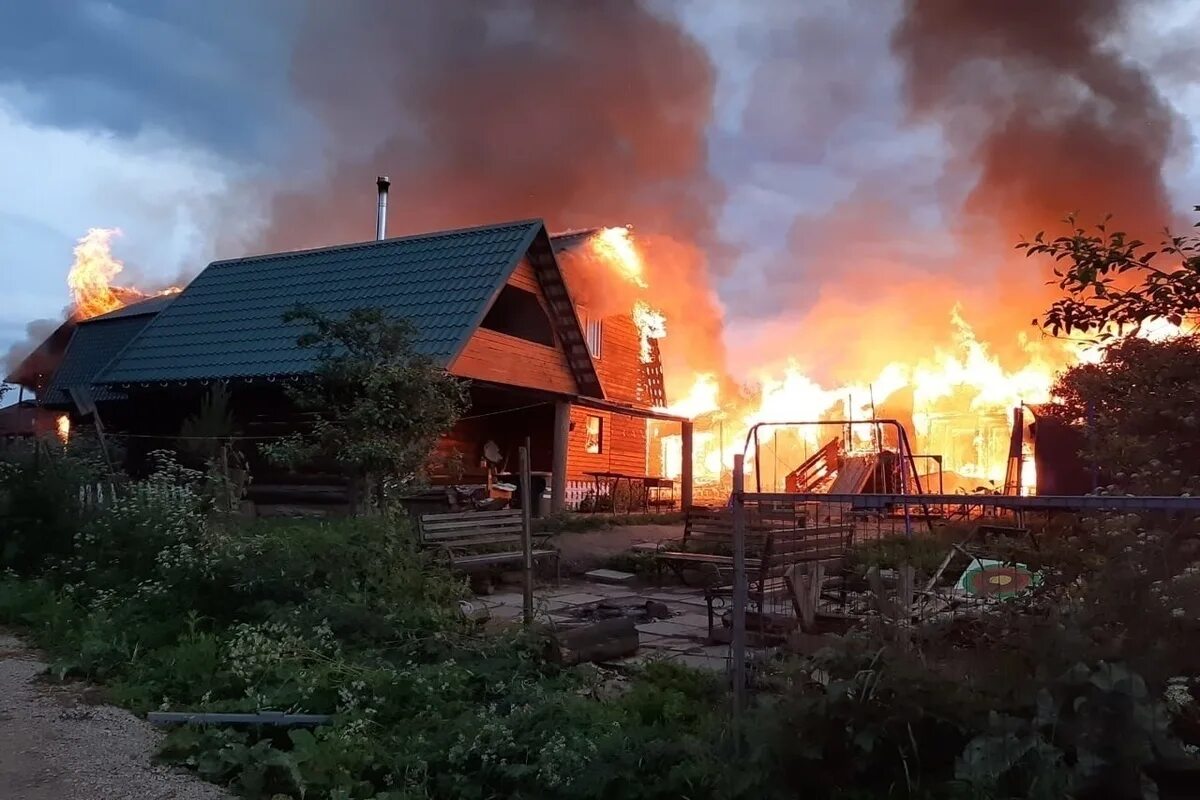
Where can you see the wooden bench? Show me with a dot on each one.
(473, 540)
(774, 543)
(708, 542)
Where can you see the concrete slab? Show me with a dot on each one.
(668, 628)
(670, 599)
(708, 663)
(576, 599)
(674, 645)
(714, 651)
(692, 619)
(612, 576)
(611, 592)
(505, 613)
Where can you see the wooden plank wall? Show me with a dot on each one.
(500, 358)
(619, 365)
(624, 445)
(524, 277)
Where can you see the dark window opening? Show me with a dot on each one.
(518, 313)
(594, 441)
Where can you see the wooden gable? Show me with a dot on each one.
(510, 354)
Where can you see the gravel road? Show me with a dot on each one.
(57, 744)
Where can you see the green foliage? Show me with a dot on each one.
(39, 500)
(201, 433)
(578, 522)
(1093, 733)
(876, 720)
(378, 407)
(1115, 283)
(924, 553)
(171, 606)
(1140, 413)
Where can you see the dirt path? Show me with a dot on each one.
(592, 549)
(56, 745)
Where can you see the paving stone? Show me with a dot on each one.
(577, 599)
(505, 599)
(674, 645)
(666, 628)
(692, 619)
(702, 662)
(610, 576)
(505, 613)
(714, 650)
(611, 592)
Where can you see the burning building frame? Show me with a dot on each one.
(491, 305)
(563, 338)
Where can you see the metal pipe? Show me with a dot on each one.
(526, 535)
(866, 502)
(738, 639)
(381, 183)
(905, 451)
(757, 465)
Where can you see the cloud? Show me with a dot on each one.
(214, 77)
(166, 195)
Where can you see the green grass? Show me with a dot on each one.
(579, 522)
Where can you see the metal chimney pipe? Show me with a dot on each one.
(382, 183)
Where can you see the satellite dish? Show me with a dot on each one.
(491, 453)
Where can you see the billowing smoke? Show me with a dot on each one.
(1010, 116)
(583, 114)
(35, 354)
(1034, 97)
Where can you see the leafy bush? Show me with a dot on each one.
(924, 553)
(39, 500)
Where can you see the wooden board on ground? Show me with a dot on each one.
(606, 640)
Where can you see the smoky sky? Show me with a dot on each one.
(214, 73)
(791, 155)
(1035, 98)
(583, 114)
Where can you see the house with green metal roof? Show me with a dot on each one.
(490, 304)
(92, 346)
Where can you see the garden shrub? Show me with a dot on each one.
(39, 500)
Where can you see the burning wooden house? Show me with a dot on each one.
(491, 304)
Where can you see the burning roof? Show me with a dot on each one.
(93, 345)
(228, 322)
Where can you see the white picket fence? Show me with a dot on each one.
(95, 496)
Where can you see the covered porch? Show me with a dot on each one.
(486, 441)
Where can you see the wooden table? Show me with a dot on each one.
(647, 482)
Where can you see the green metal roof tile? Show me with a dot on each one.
(228, 322)
(92, 346)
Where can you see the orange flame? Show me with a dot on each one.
(651, 324)
(615, 246)
(954, 401)
(62, 427)
(91, 277)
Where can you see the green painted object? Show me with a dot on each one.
(228, 322)
(986, 577)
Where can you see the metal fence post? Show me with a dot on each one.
(739, 593)
(527, 534)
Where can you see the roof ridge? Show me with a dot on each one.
(377, 242)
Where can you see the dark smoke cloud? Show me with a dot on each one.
(584, 114)
(35, 333)
(1004, 117)
(1033, 97)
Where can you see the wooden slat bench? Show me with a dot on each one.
(772, 549)
(473, 540)
(708, 542)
